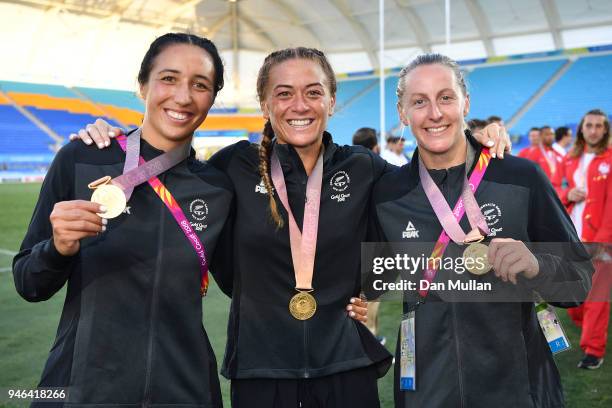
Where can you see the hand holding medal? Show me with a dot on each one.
(114, 193)
(511, 258)
(74, 220)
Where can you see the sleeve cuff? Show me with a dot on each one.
(51, 257)
(545, 274)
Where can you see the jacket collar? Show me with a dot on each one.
(289, 158)
(148, 152)
(474, 150)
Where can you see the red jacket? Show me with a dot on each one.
(526, 152)
(536, 155)
(597, 214)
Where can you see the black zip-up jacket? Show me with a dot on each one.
(475, 354)
(131, 328)
(263, 339)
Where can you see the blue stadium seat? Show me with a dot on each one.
(357, 109)
(63, 122)
(19, 136)
(585, 86)
(51, 90)
(120, 99)
(502, 90)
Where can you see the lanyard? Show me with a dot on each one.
(176, 211)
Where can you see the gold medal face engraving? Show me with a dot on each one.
(302, 306)
(478, 257)
(110, 196)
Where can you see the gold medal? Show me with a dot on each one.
(302, 306)
(110, 196)
(476, 259)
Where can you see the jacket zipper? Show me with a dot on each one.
(458, 355)
(306, 373)
(147, 387)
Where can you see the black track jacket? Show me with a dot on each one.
(263, 339)
(482, 354)
(131, 327)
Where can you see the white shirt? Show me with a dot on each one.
(559, 149)
(580, 178)
(393, 158)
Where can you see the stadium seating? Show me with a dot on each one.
(503, 89)
(585, 86)
(358, 104)
(64, 123)
(500, 89)
(120, 99)
(19, 136)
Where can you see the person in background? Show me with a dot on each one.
(588, 199)
(495, 119)
(534, 142)
(546, 157)
(393, 152)
(366, 137)
(563, 139)
(476, 125)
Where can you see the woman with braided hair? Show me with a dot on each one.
(301, 213)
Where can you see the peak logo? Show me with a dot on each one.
(410, 231)
(261, 188)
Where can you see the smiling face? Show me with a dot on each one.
(434, 106)
(298, 102)
(178, 95)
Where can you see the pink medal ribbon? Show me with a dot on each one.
(136, 171)
(450, 220)
(148, 171)
(304, 243)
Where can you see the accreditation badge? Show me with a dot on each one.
(551, 327)
(408, 353)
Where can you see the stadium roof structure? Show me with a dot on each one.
(347, 30)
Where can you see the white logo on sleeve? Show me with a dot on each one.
(410, 231)
(340, 182)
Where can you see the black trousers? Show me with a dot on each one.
(355, 389)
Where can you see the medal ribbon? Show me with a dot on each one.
(169, 200)
(304, 243)
(136, 172)
(453, 218)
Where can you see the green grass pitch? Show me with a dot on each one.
(27, 329)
